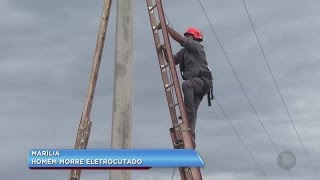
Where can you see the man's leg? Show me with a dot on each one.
(192, 90)
(187, 88)
(197, 101)
(198, 87)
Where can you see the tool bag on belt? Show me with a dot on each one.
(207, 78)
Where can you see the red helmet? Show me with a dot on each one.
(197, 34)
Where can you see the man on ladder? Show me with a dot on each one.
(194, 70)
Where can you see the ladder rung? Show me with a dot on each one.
(156, 28)
(174, 105)
(74, 175)
(151, 8)
(178, 125)
(187, 129)
(164, 66)
(168, 86)
(160, 46)
(178, 144)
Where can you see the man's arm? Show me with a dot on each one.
(178, 56)
(175, 35)
(189, 44)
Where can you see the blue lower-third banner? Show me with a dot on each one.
(112, 158)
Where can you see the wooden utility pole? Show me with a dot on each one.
(123, 81)
(85, 123)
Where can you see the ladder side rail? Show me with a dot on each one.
(81, 143)
(187, 173)
(85, 123)
(168, 52)
(170, 99)
(162, 62)
(196, 174)
(185, 132)
(182, 171)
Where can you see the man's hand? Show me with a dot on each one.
(175, 35)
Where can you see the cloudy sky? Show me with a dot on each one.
(46, 52)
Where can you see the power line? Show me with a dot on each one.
(244, 91)
(173, 173)
(236, 75)
(168, 20)
(234, 129)
(277, 87)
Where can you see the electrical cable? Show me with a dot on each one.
(277, 87)
(238, 79)
(234, 129)
(228, 119)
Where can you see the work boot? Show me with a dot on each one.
(193, 135)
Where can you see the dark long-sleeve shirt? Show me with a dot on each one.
(192, 57)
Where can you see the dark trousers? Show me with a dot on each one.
(193, 95)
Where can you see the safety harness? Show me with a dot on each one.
(207, 79)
